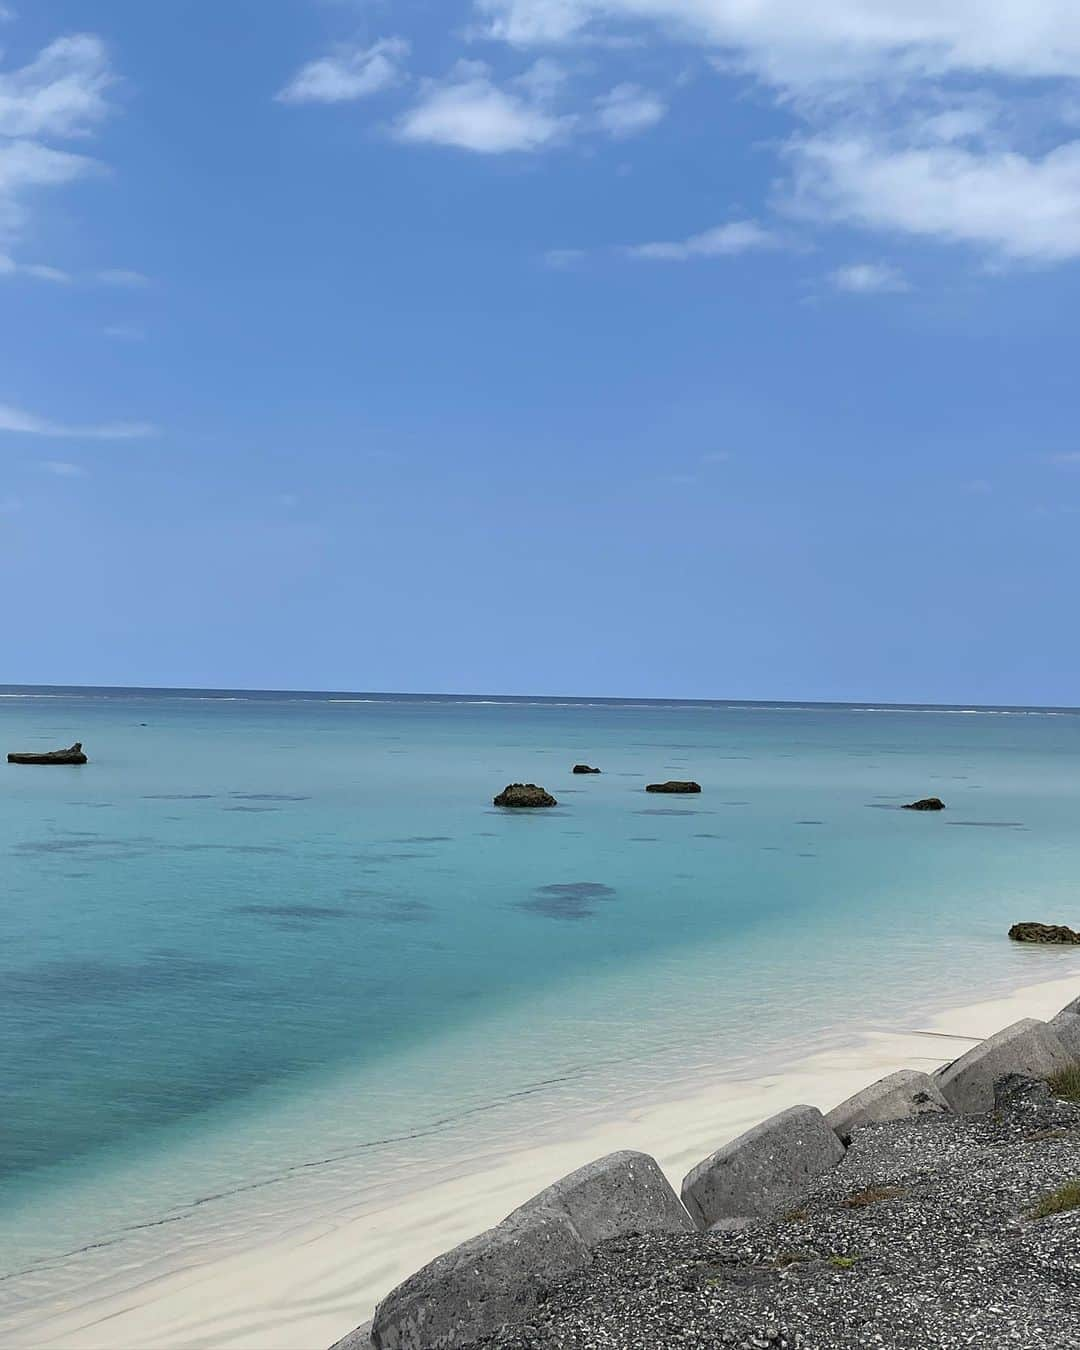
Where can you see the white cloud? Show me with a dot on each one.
(868, 278)
(561, 259)
(470, 112)
(62, 468)
(792, 42)
(39, 271)
(121, 276)
(352, 72)
(29, 424)
(28, 165)
(1019, 207)
(723, 241)
(1068, 457)
(125, 332)
(628, 109)
(60, 93)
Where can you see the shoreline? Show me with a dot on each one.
(327, 1274)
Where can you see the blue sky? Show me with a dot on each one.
(714, 348)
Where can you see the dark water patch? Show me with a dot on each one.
(486, 834)
(669, 811)
(225, 848)
(705, 835)
(629, 775)
(269, 797)
(425, 839)
(809, 822)
(734, 803)
(771, 848)
(252, 810)
(88, 980)
(567, 899)
(178, 797)
(92, 806)
(990, 824)
(587, 890)
(643, 839)
(404, 911)
(299, 911)
(884, 806)
(80, 842)
(889, 797)
(376, 858)
(808, 855)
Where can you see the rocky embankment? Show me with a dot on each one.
(924, 1235)
(925, 1211)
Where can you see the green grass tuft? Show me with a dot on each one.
(1066, 1084)
(1057, 1202)
(844, 1262)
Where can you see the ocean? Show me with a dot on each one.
(267, 950)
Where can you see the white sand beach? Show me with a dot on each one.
(311, 1286)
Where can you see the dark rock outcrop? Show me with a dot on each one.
(673, 787)
(524, 794)
(925, 804)
(72, 755)
(585, 768)
(1043, 932)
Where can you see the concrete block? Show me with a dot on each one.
(1028, 1047)
(765, 1170)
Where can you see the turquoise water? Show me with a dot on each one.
(266, 950)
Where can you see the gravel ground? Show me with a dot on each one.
(921, 1237)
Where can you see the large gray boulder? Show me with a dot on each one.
(486, 1283)
(615, 1196)
(360, 1339)
(900, 1096)
(763, 1171)
(1066, 1026)
(1028, 1047)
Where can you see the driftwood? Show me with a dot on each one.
(73, 755)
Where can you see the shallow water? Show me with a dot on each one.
(267, 950)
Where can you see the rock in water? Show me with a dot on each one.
(72, 755)
(1043, 932)
(524, 794)
(926, 804)
(673, 787)
(584, 768)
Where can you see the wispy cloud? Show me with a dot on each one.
(868, 278)
(17, 420)
(723, 241)
(1066, 459)
(562, 259)
(350, 72)
(62, 468)
(60, 93)
(28, 165)
(628, 109)
(125, 332)
(121, 276)
(469, 111)
(38, 271)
